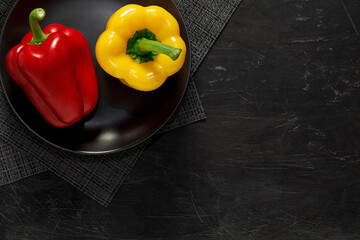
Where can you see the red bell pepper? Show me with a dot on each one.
(55, 69)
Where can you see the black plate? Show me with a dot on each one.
(123, 117)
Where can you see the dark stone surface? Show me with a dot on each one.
(275, 159)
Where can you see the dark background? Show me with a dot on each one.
(277, 157)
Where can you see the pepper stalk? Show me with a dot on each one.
(143, 46)
(39, 36)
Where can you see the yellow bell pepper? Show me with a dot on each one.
(141, 46)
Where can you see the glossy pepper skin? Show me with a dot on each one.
(112, 47)
(55, 69)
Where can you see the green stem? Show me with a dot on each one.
(144, 46)
(35, 16)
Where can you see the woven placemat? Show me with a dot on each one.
(23, 154)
